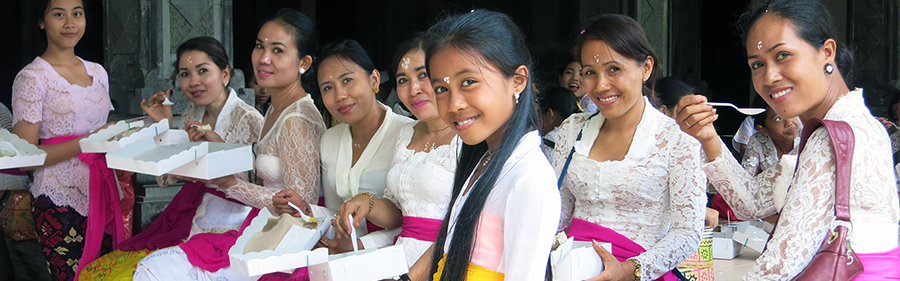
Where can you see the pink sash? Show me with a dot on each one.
(104, 209)
(419, 228)
(880, 266)
(174, 224)
(622, 247)
(209, 251)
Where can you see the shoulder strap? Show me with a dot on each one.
(843, 141)
(565, 169)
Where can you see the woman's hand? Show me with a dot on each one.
(281, 199)
(194, 133)
(339, 245)
(358, 206)
(613, 269)
(696, 119)
(886, 123)
(712, 217)
(154, 107)
(223, 182)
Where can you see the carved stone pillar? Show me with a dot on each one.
(141, 39)
(653, 15)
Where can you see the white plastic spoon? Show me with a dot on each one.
(745, 111)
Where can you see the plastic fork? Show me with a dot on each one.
(745, 111)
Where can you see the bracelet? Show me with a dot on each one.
(371, 199)
(405, 277)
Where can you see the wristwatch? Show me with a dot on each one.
(638, 272)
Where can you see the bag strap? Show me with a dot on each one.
(565, 169)
(843, 141)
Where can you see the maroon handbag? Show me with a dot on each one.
(835, 260)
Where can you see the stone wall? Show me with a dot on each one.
(141, 37)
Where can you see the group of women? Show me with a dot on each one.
(466, 187)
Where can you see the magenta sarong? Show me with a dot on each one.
(880, 266)
(104, 209)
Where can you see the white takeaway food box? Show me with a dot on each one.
(172, 153)
(370, 264)
(259, 263)
(27, 154)
(579, 263)
(99, 142)
(724, 247)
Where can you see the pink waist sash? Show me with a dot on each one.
(104, 209)
(209, 251)
(420, 228)
(880, 266)
(622, 247)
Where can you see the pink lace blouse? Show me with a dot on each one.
(40, 95)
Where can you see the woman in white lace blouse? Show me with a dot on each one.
(632, 173)
(286, 152)
(798, 66)
(420, 181)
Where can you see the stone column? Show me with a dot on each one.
(653, 15)
(141, 39)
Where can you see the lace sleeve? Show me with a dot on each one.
(27, 97)
(750, 197)
(687, 209)
(564, 143)
(802, 224)
(298, 146)
(752, 156)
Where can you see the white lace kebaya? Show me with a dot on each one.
(240, 123)
(420, 184)
(655, 196)
(287, 157)
(809, 204)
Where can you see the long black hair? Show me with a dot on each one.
(497, 39)
(560, 100)
(811, 21)
(671, 90)
(625, 36)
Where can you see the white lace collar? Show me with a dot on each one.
(223, 121)
(846, 105)
(644, 136)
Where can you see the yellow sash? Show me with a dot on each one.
(475, 272)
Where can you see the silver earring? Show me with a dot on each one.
(829, 68)
(517, 97)
(302, 71)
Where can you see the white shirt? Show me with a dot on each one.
(808, 207)
(341, 181)
(520, 215)
(655, 196)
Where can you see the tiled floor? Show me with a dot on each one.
(732, 270)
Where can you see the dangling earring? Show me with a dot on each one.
(375, 89)
(829, 68)
(302, 71)
(517, 97)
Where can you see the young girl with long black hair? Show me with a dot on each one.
(505, 204)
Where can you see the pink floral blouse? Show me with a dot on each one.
(40, 95)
